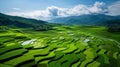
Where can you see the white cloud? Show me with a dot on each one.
(78, 10)
(114, 9)
(37, 14)
(53, 11)
(98, 7)
(57, 11)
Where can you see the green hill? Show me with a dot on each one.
(20, 22)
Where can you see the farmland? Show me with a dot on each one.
(64, 46)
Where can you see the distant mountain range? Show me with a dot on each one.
(98, 19)
(20, 22)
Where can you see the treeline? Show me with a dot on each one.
(113, 25)
(3, 28)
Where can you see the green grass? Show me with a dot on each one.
(68, 59)
(84, 63)
(12, 54)
(115, 55)
(90, 53)
(103, 57)
(43, 58)
(21, 59)
(65, 46)
(4, 65)
(98, 31)
(37, 52)
(76, 64)
(8, 48)
(94, 64)
(70, 49)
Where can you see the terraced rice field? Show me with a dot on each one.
(59, 49)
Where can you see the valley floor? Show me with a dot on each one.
(64, 46)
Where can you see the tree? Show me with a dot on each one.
(4, 28)
(113, 25)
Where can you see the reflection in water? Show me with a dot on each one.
(29, 42)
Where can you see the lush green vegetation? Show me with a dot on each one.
(63, 46)
(7, 22)
(113, 25)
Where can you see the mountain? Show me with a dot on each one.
(98, 19)
(20, 22)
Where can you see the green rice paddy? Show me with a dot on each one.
(75, 46)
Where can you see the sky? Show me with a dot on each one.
(47, 9)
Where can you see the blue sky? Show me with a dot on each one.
(7, 5)
(13, 7)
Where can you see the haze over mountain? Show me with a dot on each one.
(92, 19)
